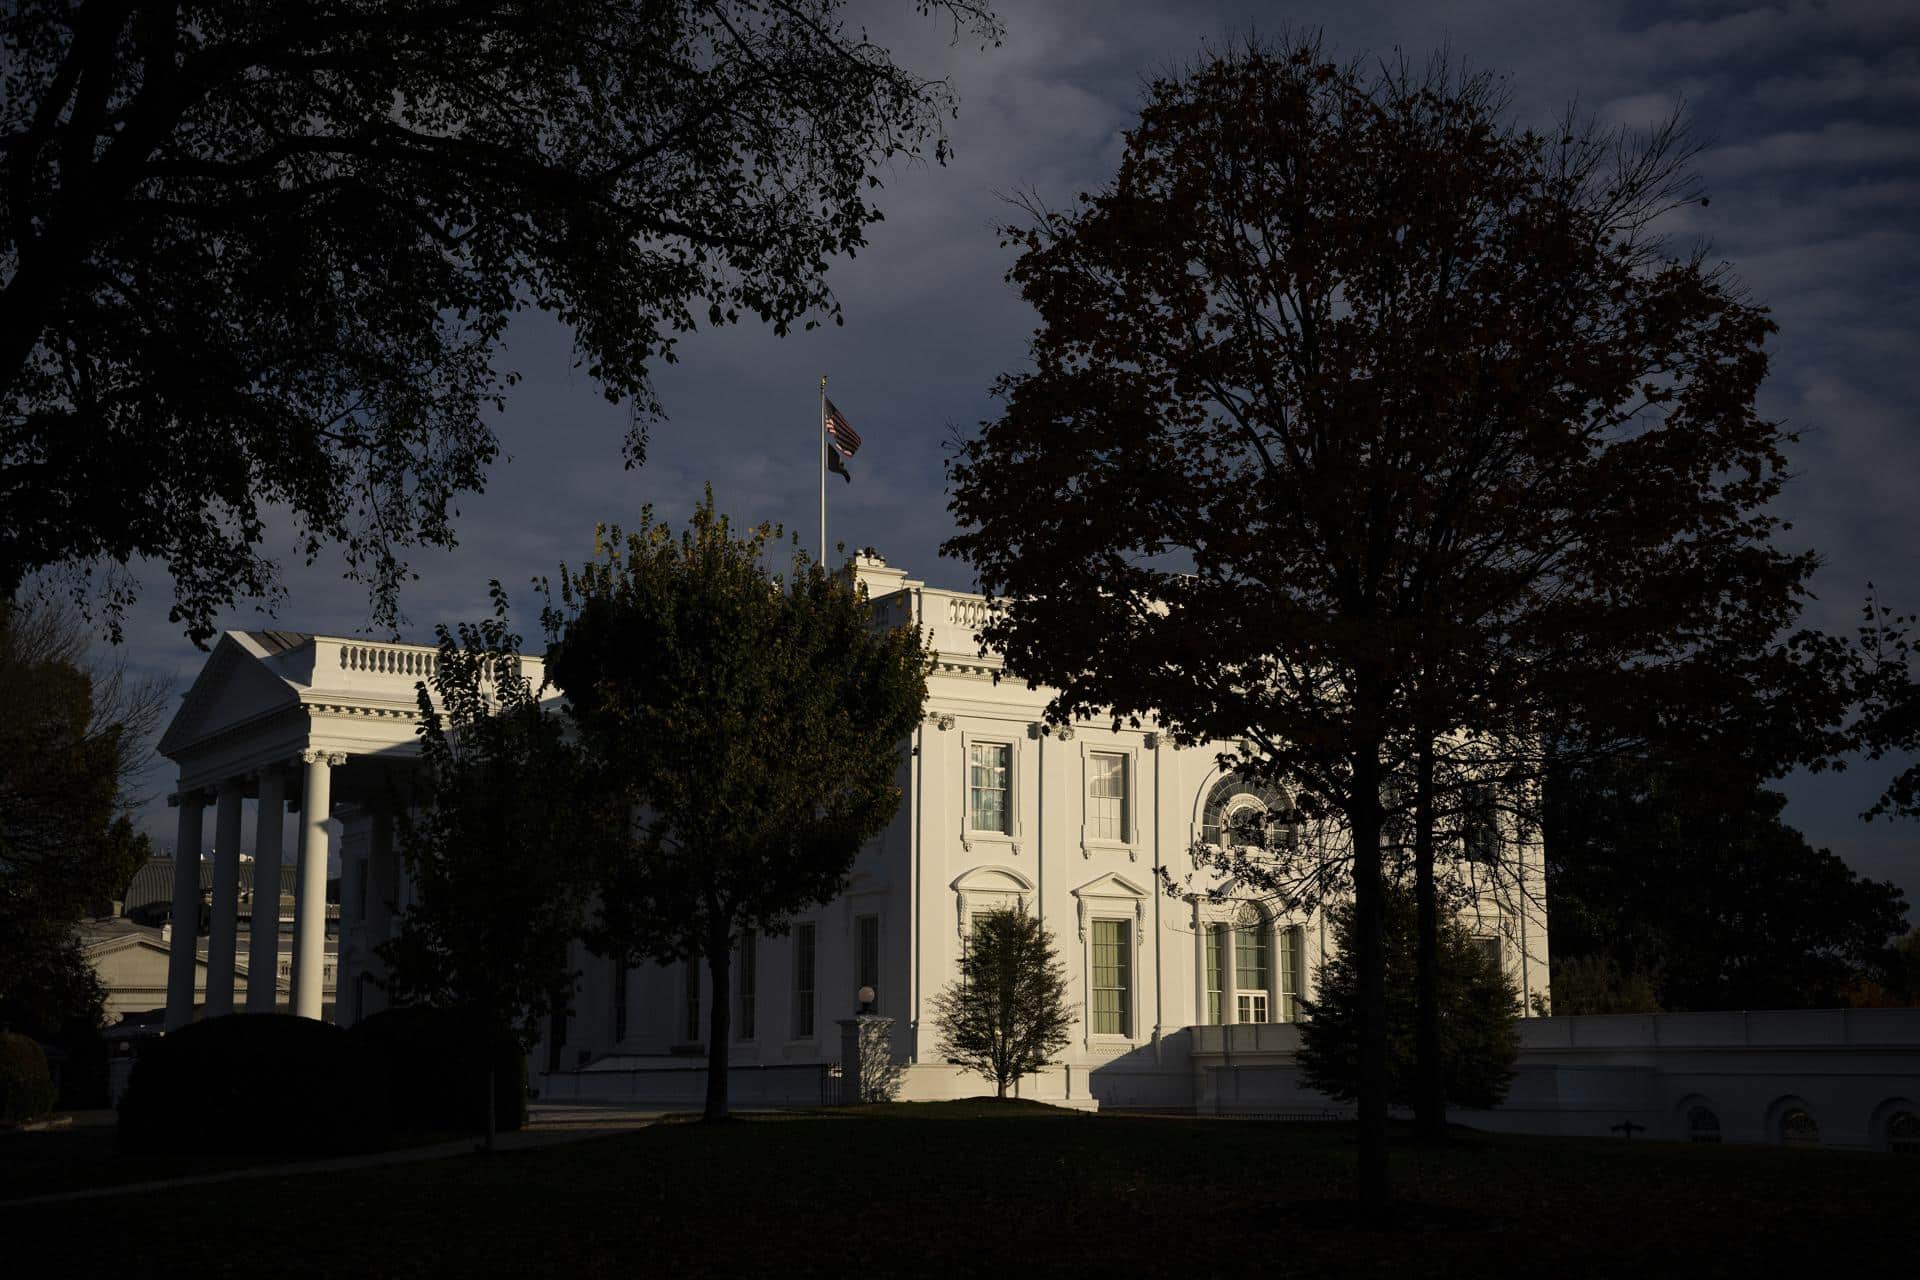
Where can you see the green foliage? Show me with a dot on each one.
(262, 255)
(1594, 983)
(256, 1084)
(506, 829)
(753, 722)
(1706, 891)
(71, 742)
(1007, 1015)
(436, 1065)
(26, 1087)
(1478, 1005)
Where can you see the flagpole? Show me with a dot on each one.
(822, 425)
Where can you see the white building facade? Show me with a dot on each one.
(1183, 1000)
(1085, 827)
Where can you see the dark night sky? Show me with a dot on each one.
(1812, 112)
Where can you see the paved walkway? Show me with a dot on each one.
(547, 1126)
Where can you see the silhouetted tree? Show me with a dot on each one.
(754, 723)
(1345, 389)
(1697, 887)
(1007, 1014)
(73, 740)
(261, 256)
(1478, 1003)
(500, 839)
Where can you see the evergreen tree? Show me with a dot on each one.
(1007, 1014)
(755, 724)
(1478, 1005)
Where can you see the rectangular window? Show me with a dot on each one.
(1112, 978)
(988, 767)
(867, 929)
(691, 1019)
(1480, 823)
(1252, 1006)
(1250, 958)
(619, 999)
(1216, 970)
(1290, 975)
(803, 960)
(1107, 796)
(1492, 947)
(749, 979)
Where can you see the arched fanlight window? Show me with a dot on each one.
(1903, 1133)
(1702, 1125)
(1235, 805)
(1798, 1128)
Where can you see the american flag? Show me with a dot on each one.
(844, 439)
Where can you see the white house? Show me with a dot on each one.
(1183, 999)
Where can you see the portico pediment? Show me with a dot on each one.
(235, 687)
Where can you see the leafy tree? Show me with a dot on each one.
(1354, 412)
(499, 841)
(1478, 1002)
(72, 745)
(1707, 893)
(260, 256)
(1007, 1015)
(755, 724)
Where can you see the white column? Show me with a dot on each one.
(310, 903)
(181, 957)
(223, 923)
(263, 949)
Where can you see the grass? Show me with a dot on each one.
(45, 1161)
(1018, 1189)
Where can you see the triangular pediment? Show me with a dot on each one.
(234, 687)
(1111, 885)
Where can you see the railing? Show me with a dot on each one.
(970, 612)
(388, 659)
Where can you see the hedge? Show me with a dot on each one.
(26, 1087)
(255, 1084)
(435, 1065)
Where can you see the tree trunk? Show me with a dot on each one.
(1373, 1186)
(719, 1026)
(1429, 1098)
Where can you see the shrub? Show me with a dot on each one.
(255, 1084)
(434, 1064)
(1478, 1005)
(26, 1088)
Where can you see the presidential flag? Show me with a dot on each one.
(842, 442)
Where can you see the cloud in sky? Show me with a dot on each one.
(1813, 165)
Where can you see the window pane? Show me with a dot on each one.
(988, 765)
(1289, 974)
(749, 978)
(1107, 796)
(1250, 958)
(693, 998)
(1112, 978)
(1216, 970)
(803, 953)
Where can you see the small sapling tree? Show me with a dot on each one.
(1007, 1015)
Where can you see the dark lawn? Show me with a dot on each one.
(44, 1161)
(1015, 1192)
